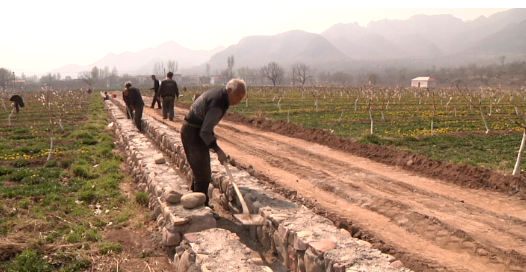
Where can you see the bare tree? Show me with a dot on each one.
(230, 63)
(5, 77)
(87, 77)
(372, 78)
(302, 72)
(172, 66)
(502, 59)
(273, 71)
(159, 69)
(341, 78)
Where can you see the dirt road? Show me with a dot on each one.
(430, 225)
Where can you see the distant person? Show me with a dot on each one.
(89, 90)
(169, 93)
(156, 93)
(136, 103)
(106, 96)
(18, 102)
(197, 133)
(126, 98)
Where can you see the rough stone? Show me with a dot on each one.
(216, 194)
(210, 190)
(172, 196)
(158, 190)
(319, 248)
(187, 259)
(302, 239)
(292, 259)
(178, 221)
(397, 264)
(203, 224)
(312, 262)
(193, 200)
(171, 238)
(278, 218)
(281, 249)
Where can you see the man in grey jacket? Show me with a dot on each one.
(197, 133)
(169, 93)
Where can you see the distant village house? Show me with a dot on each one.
(424, 82)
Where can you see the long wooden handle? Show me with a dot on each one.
(239, 195)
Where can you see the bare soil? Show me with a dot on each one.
(433, 216)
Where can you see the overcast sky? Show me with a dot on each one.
(39, 35)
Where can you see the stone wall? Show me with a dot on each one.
(302, 240)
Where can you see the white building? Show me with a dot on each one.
(424, 82)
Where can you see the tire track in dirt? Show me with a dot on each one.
(425, 225)
(436, 226)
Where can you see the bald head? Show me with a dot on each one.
(236, 89)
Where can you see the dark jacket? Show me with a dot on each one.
(134, 98)
(17, 99)
(156, 86)
(206, 112)
(169, 88)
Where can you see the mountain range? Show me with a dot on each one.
(439, 39)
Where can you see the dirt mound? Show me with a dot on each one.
(463, 175)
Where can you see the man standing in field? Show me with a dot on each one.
(169, 93)
(137, 104)
(197, 133)
(18, 102)
(156, 93)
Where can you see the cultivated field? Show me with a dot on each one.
(473, 126)
(65, 201)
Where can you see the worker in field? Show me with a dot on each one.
(129, 109)
(169, 93)
(18, 102)
(155, 90)
(136, 103)
(197, 133)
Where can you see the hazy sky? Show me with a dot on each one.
(38, 36)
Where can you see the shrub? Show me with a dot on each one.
(92, 235)
(51, 164)
(106, 248)
(73, 238)
(6, 170)
(19, 174)
(66, 163)
(29, 261)
(81, 171)
(142, 198)
(24, 203)
(21, 163)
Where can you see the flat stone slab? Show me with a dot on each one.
(216, 250)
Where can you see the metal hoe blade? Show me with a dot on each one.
(245, 218)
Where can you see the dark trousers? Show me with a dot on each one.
(17, 107)
(156, 99)
(137, 117)
(168, 109)
(129, 112)
(198, 157)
